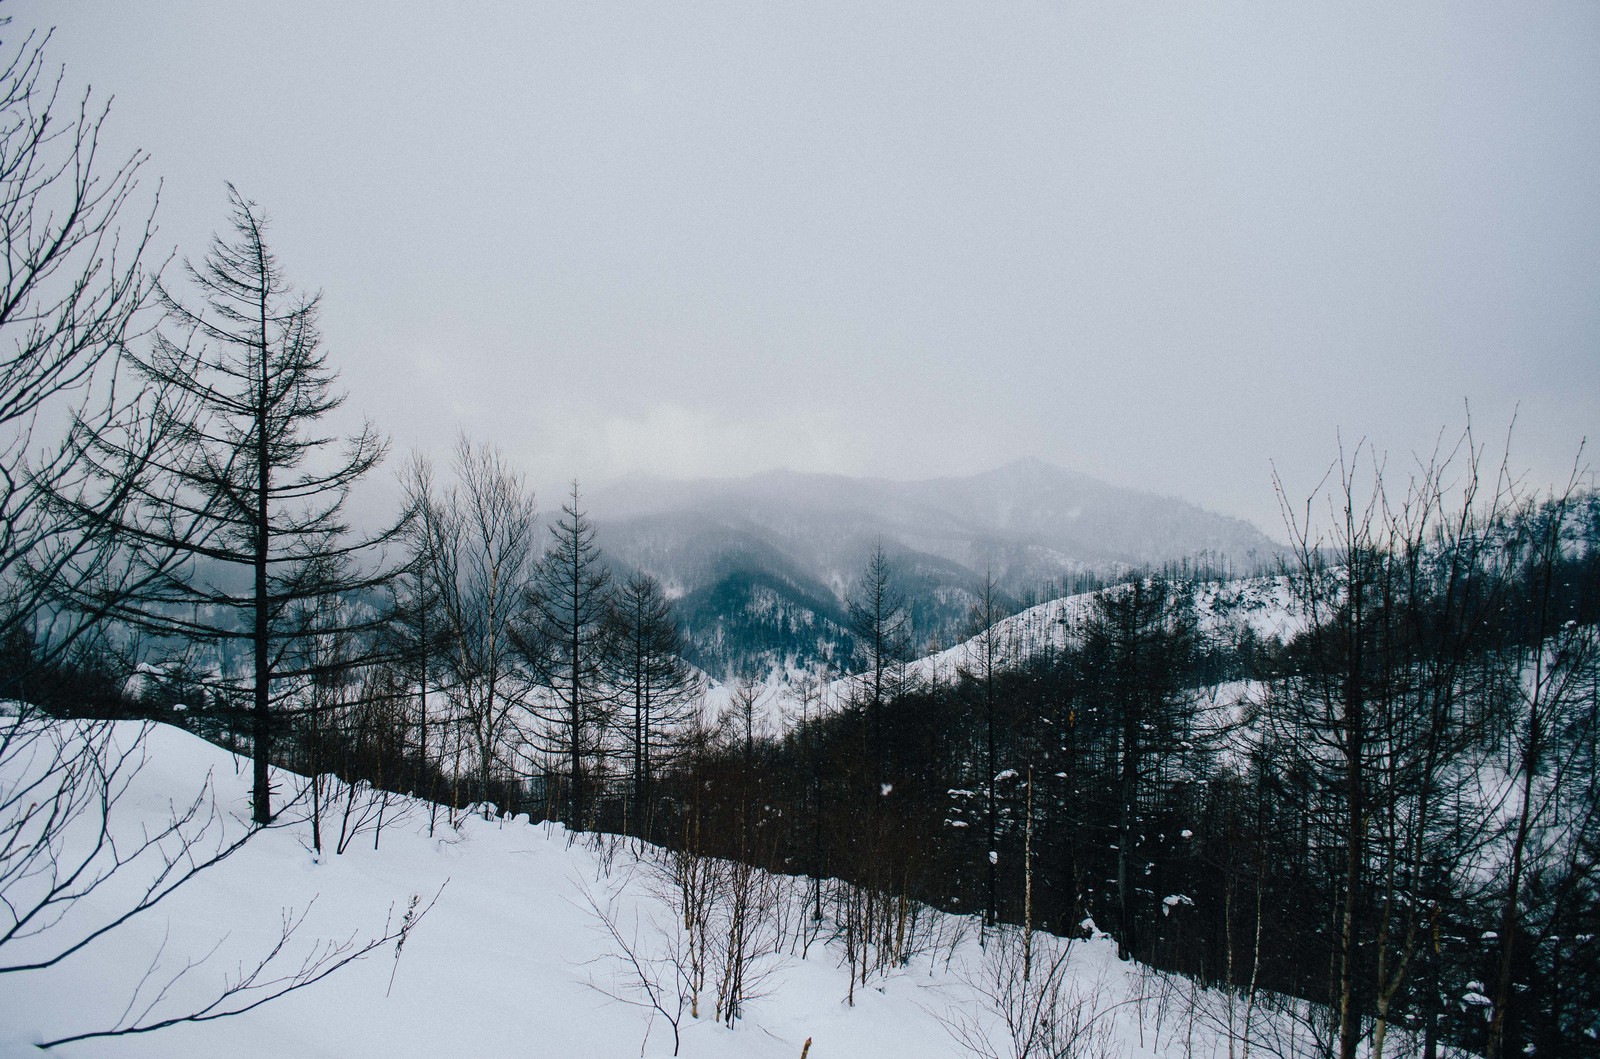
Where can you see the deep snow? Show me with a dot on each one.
(509, 961)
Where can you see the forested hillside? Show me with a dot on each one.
(1095, 763)
(765, 564)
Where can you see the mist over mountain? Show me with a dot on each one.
(761, 567)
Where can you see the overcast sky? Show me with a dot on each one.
(1167, 245)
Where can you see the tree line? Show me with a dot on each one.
(195, 530)
(1392, 810)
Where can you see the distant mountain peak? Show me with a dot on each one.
(1030, 465)
(804, 537)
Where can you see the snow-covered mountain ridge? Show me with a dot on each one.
(761, 566)
(1223, 609)
(1261, 604)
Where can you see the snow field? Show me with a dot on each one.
(509, 961)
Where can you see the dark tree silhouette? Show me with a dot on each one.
(1140, 639)
(250, 492)
(882, 629)
(566, 639)
(654, 686)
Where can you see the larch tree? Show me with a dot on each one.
(882, 628)
(251, 492)
(654, 686)
(566, 638)
(1377, 711)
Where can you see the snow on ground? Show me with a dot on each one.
(508, 962)
(1265, 605)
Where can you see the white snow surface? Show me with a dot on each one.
(1265, 605)
(509, 961)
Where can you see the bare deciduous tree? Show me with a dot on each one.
(479, 548)
(74, 871)
(1030, 1009)
(71, 294)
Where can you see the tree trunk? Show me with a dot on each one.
(261, 735)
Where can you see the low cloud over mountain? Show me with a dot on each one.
(762, 566)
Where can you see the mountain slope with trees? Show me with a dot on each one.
(1031, 529)
(1350, 807)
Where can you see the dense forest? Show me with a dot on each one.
(1392, 812)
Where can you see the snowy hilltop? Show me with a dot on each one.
(1261, 607)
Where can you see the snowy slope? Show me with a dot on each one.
(1263, 604)
(508, 962)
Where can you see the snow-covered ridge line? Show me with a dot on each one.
(1263, 605)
